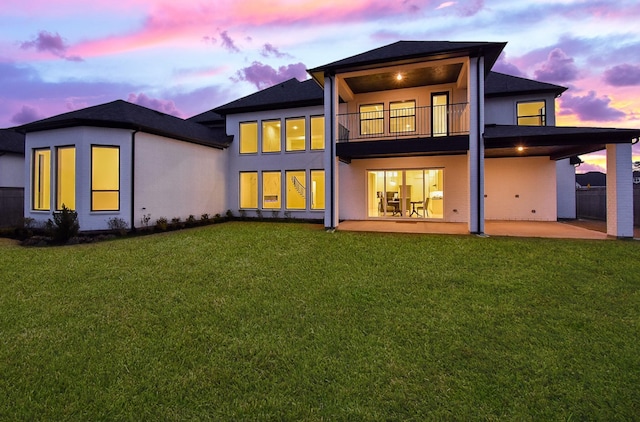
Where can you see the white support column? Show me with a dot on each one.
(619, 191)
(331, 217)
(475, 156)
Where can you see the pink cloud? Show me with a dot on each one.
(263, 76)
(558, 68)
(164, 106)
(623, 75)
(503, 66)
(52, 43)
(590, 108)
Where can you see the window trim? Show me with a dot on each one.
(543, 116)
(286, 134)
(447, 106)
(305, 186)
(257, 198)
(240, 137)
(324, 177)
(91, 175)
(381, 118)
(413, 116)
(33, 180)
(262, 139)
(262, 197)
(58, 206)
(311, 119)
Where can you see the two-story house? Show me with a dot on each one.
(413, 130)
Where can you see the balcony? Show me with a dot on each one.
(373, 123)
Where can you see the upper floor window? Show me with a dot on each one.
(105, 178)
(317, 132)
(295, 134)
(66, 178)
(248, 137)
(372, 119)
(532, 113)
(41, 179)
(271, 136)
(402, 116)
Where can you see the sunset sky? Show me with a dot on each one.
(186, 57)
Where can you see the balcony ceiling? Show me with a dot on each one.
(435, 75)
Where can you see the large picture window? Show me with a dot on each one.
(295, 134)
(296, 190)
(271, 190)
(66, 178)
(532, 114)
(105, 178)
(371, 119)
(271, 136)
(42, 179)
(249, 189)
(317, 189)
(317, 132)
(248, 137)
(402, 116)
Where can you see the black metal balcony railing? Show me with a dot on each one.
(415, 122)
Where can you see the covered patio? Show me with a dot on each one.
(542, 229)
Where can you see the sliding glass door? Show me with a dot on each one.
(408, 194)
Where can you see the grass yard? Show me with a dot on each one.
(269, 321)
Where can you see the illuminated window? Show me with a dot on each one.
(371, 119)
(532, 114)
(271, 190)
(105, 178)
(296, 134)
(66, 178)
(317, 189)
(249, 190)
(440, 114)
(402, 117)
(296, 190)
(41, 179)
(317, 132)
(271, 136)
(248, 137)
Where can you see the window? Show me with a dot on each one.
(296, 190)
(532, 114)
(271, 136)
(271, 189)
(66, 178)
(105, 178)
(41, 179)
(296, 134)
(402, 117)
(317, 132)
(440, 114)
(317, 189)
(249, 189)
(371, 119)
(248, 137)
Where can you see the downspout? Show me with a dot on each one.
(133, 178)
(480, 133)
(332, 213)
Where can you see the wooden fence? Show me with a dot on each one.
(11, 206)
(591, 203)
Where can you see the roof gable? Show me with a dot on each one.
(499, 85)
(124, 115)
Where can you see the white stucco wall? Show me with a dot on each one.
(12, 170)
(280, 161)
(520, 189)
(82, 138)
(353, 183)
(566, 189)
(177, 179)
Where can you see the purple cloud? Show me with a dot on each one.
(270, 50)
(469, 8)
(558, 68)
(26, 115)
(164, 106)
(52, 43)
(503, 66)
(590, 107)
(263, 76)
(623, 75)
(228, 43)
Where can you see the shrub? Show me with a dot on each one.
(162, 224)
(118, 225)
(229, 214)
(176, 223)
(275, 213)
(145, 220)
(204, 218)
(64, 225)
(191, 221)
(259, 214)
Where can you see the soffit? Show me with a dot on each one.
(423, 76)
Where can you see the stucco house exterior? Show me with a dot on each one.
(415, 130)
(11, 177)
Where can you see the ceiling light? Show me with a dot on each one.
(520, 148)
(399, 76)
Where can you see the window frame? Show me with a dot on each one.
(93, 146)
(324, 181)
(286, 133)
(46, 184)
(402, 117)
(304, 189)
(279, 195)
(311, 120)
(279, 143)
(364, 121)
(257, 195)
(242, 141)
(542, 117)
(59, 204)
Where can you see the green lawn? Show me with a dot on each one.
(269, 321)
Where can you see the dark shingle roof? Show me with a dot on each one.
(11, 141)
(207, 118)
(498, 84)
(413, 50)
(288, 94)
(558, 133)
(124, 115)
